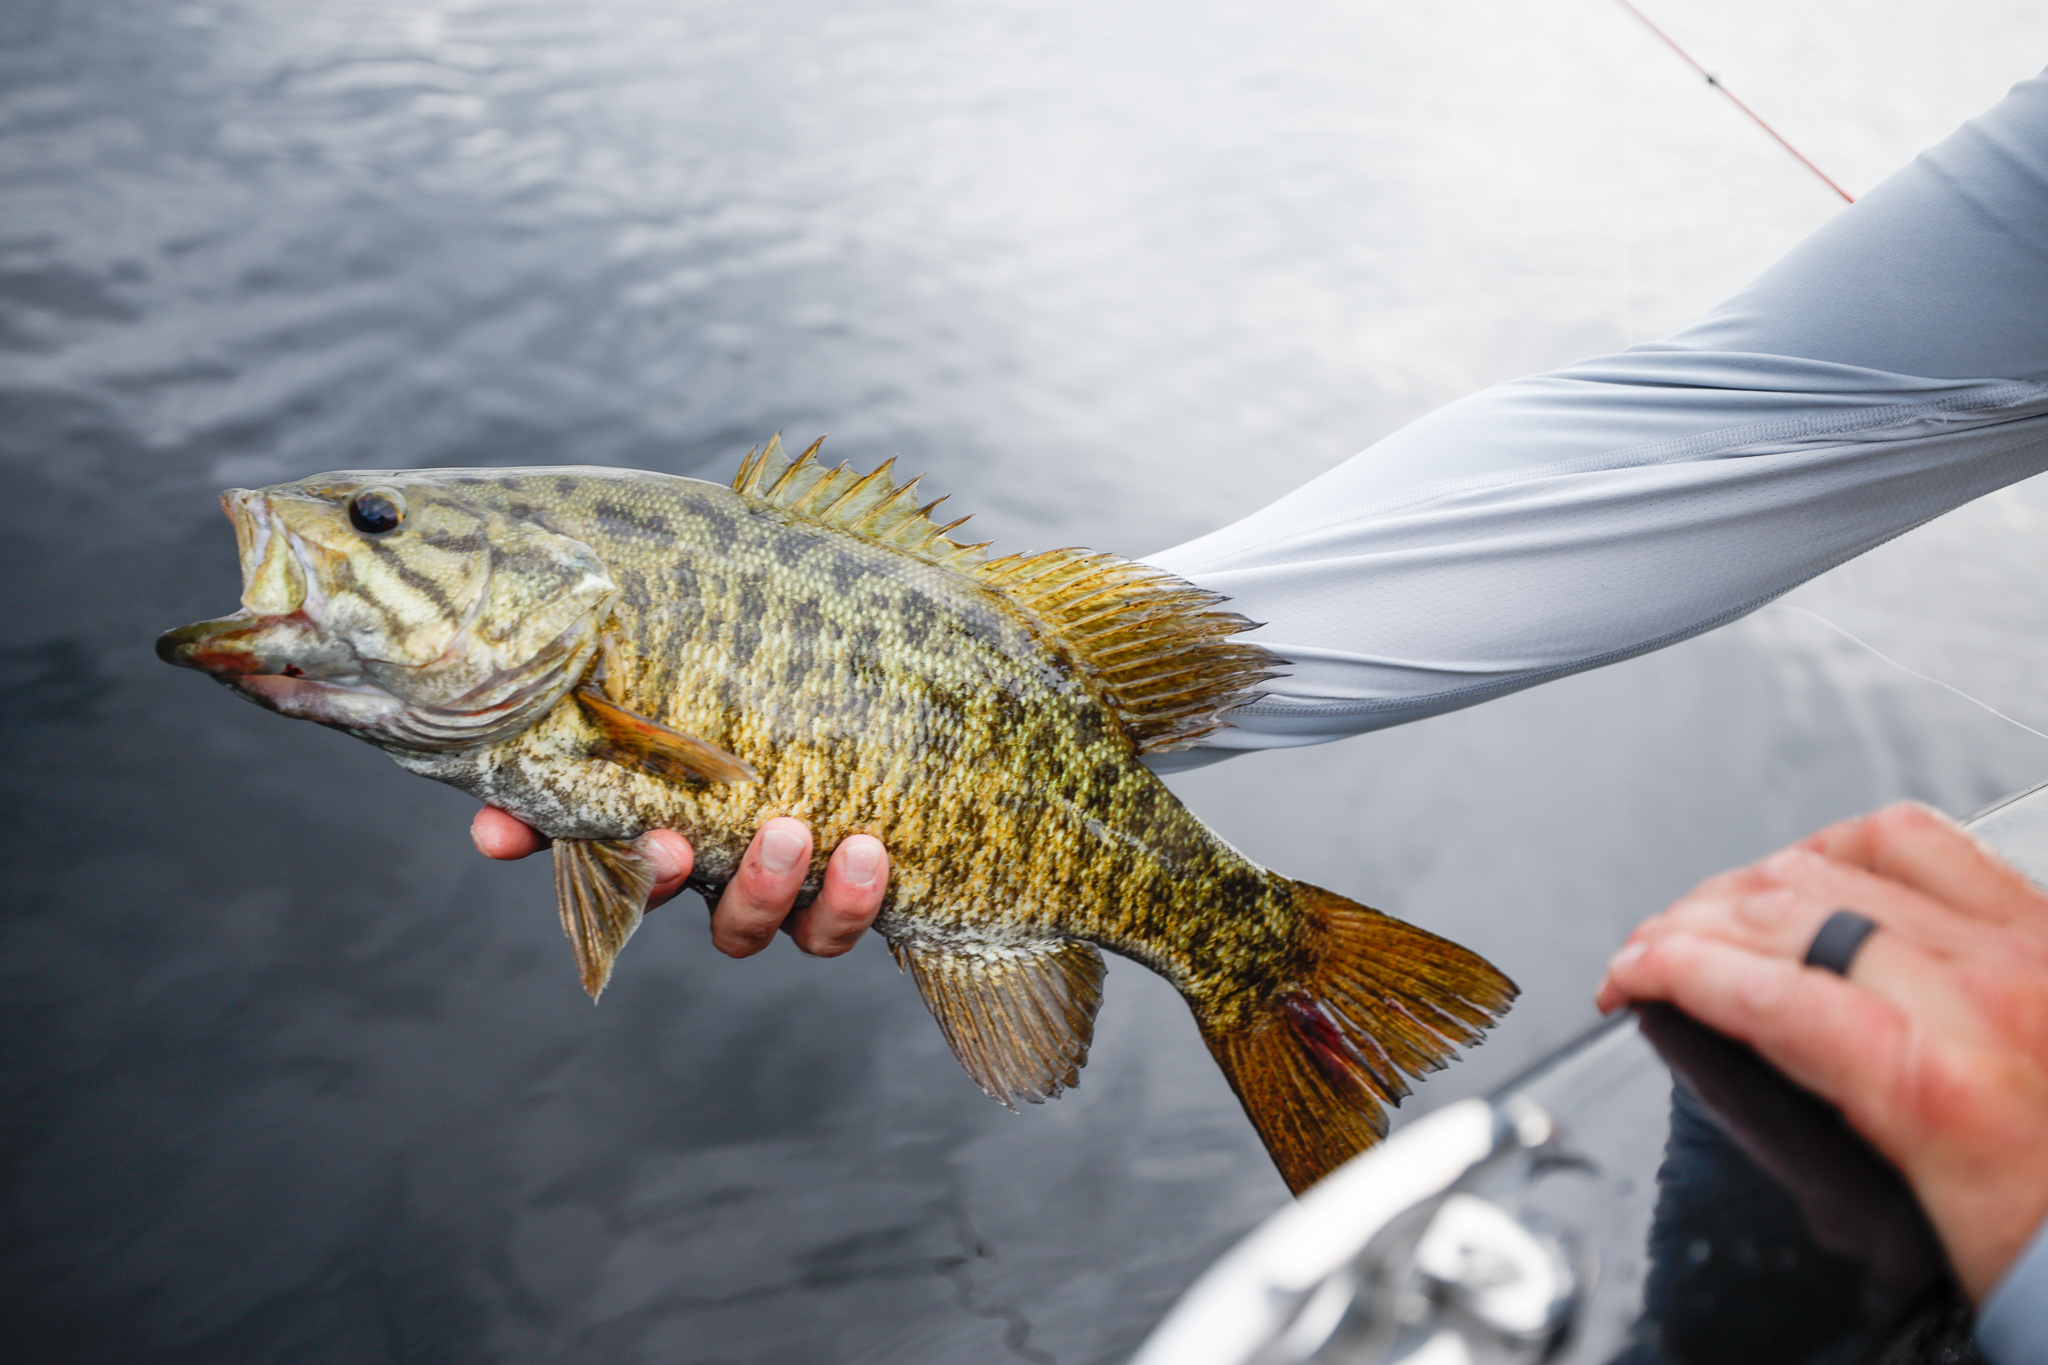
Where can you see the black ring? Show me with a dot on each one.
(1840, 938)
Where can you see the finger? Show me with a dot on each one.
(1794, 891)
(1844, 1043)
(1839, 836)
(1887, 969)
(671, 857)
(763, 891)
(1781, 924)
(497, 834)
(1716, 892)
(1924, 849)
(1737, 881)
(845, 909)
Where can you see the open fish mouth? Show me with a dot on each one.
(273, 633)
(273, 651)
(288, 665)
(350, 706)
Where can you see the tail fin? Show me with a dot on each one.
(1379, 998)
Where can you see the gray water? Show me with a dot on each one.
(292, 1075)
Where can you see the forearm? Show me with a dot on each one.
(1892, 367)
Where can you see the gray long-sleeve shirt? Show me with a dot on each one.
(1893, 366)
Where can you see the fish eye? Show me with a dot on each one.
(375, 511)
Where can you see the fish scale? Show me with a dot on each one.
(604, 652)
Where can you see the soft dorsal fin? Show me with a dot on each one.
(873, 505)
(1019, 1016)
(1163, 658)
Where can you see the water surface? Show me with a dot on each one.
(292, 1075)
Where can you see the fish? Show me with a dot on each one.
(605, 652)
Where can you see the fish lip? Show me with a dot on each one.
(221, 647)
(246, 645)
(226, 651)
(278, 564)
(248, 511)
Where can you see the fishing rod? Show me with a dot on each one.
(1755, 117)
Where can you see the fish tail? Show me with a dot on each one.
(1376, 1001)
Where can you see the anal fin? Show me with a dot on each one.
(1019, 1016)
(601, 888)
(633, 741)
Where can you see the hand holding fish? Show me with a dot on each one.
(761, 898)
(1933, 1043)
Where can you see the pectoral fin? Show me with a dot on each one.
(634, 741)
(1019, 1016)
(601, 888)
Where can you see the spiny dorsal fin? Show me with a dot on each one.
(1160, 654)
(601, 888)
(873, 505)
(1019, 1016)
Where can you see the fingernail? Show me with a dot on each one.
(1626, 958)
(780, 848)
(860, 860)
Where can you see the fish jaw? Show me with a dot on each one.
(283, 664)
(290, 666)
(246, 644)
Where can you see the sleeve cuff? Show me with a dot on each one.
(2013, 1328)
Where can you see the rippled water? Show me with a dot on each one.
(292, 1075)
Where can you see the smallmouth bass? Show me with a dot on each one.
(603, 652)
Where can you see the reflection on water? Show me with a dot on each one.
(292, 1075)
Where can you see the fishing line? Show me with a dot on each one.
(1628, 210)
(1755, 117)
(1914, 672)
(1627, 312)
